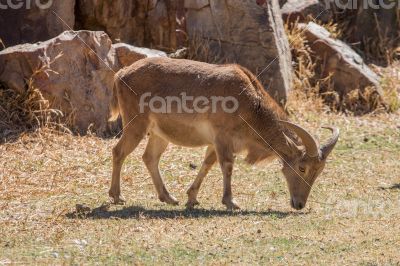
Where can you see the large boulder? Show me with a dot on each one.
(74, 71)
(142, 23)
(250, 33)
(347, 68)
(301, 11)
(32, 21)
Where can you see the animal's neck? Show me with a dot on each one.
(270, 135)
(271, 141)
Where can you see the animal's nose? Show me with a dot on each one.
(298, 205)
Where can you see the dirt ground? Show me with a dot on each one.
(54, 204)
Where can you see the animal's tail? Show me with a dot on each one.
(114, 106)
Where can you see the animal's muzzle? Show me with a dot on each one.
(298, 205)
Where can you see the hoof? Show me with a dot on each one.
(170, 200)
(231, 205)
(191, 204)
(116, 199)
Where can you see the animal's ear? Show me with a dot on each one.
(293, 147)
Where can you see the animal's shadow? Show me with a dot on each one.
(393, 187)
(138, 212)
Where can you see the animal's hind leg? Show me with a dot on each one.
(130, 139)
(209, 161)
(151, 157)
(226, 159)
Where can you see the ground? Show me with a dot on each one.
(54, 204)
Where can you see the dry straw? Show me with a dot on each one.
(312, 88)
(28, 110)
(3, 46)
(200, 49)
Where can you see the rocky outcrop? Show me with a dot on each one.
(142, 23)
(250, 33)
(373, 26)
(74, 71)
(347, 68)
(30, 21)
(301, 11)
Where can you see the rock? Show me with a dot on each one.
(179, 54)
(295, 10)
(161, 24)
(373, 26)
(74, 71)
(348, 69)
(128, 54)
(366, 24)
(142, 23)
(33, 22)
(262, 2)
(196, 4)
(246, 33)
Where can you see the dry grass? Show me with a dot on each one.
(29, 110)
(390, 83)
(309, 85)
(26, 111)
(199, 49)
(351, 218)
(54, 206)
(3, 46)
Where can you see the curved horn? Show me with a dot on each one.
(328, 147)
(311, 145)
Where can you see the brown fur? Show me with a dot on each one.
(224, 133)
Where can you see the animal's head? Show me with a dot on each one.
(306, 163)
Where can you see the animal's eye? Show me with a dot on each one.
(303, 170)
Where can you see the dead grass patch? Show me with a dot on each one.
(199, 49)
(316, 90)
(29, 110)
(390, 83)
(26, 111)
(351, 217)
(307, 86)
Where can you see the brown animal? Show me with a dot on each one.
(257, 126)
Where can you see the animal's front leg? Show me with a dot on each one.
(227, 198)
(225, 158)
(209, 161)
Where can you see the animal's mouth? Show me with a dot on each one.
(297, 205)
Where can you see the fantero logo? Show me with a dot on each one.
(362, 4)
(25, 4)
(187, 104)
